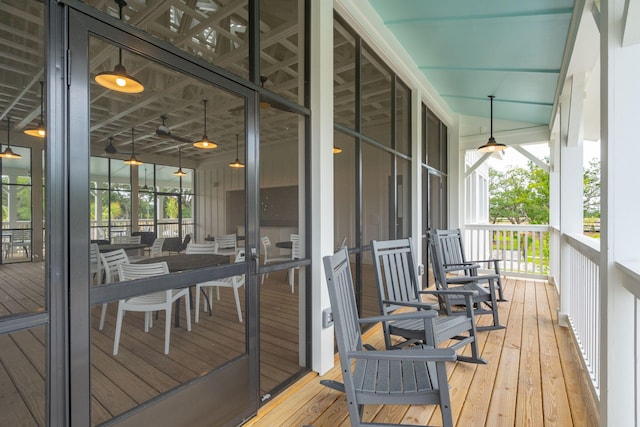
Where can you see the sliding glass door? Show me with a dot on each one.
(144, 362)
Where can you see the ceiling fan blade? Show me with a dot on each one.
(180, 138)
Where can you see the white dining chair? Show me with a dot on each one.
(157, 301)
(227, 244)
(95, 264)
(110, 262)
(201, 248)
(156, 247)
(234, 282)
(266, 249)
(296, 253)
(126, 239)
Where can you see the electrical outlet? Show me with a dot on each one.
(421, 269)
(327, 318)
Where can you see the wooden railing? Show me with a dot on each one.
(166, 228)
(522, 249)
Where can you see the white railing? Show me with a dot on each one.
(523, 249)
(631, 281)
(583, 310)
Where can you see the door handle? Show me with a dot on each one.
(255, 258)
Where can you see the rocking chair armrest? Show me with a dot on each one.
(423, 314)
(461, 266)
(467, 279)
(465, 264)
(482, 261)
(468, 295)
(419, 305)
(451, 292)
(418, 355)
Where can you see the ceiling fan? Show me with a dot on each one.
(163, 131)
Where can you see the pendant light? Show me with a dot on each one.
(491, 145)
(264, 104)
(237, 164)
(205, 142)
(8, 152)
(145, 179)
(39, 131)
(337, 150)
(132, 161)
(180, 172)
(110, 148)
(118, 79)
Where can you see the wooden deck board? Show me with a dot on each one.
(554, 392)
(529, 405)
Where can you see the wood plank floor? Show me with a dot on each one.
(140, 371)
(534, 377)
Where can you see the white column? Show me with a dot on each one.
(418, 223)
(321, 84)
(620, 205)
(554, 212)
(455, 177)
(571, 180)
(134, 198)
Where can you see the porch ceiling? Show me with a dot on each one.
(469, 50)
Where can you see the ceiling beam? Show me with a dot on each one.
(541, 164)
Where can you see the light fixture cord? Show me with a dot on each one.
(8, 131)
(133, 144)
(121, 4)
(491, 97)
(205, 116)
(237, 158)
(41, 99)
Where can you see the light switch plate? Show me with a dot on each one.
(327, 318)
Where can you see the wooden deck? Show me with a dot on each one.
(534, 377)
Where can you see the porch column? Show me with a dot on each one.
(321, 84)
(620, 233)
(456, 177)
(570, 180)
(134, 198)
(418, 222)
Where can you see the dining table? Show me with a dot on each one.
(184, 262)
(115, 246)
(285, 245)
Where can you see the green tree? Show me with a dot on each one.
(591, 198)
(170, 207)
(519, 195)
